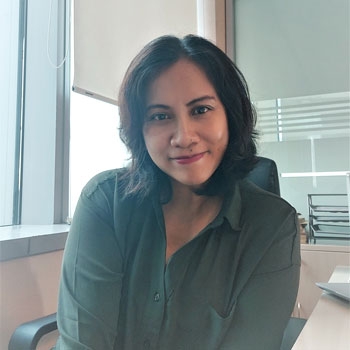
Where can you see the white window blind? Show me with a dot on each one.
(109, 33)
(301, 118)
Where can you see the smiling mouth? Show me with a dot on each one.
(189, 159)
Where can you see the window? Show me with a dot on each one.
(37, 159)
(10, 72)
(298, 76)
(35, 102)
(95, 145)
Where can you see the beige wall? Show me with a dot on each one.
(211, 16)
(28, 290)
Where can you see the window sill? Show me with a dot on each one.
(21, 241)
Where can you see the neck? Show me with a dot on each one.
(186, 215)
(189, 206)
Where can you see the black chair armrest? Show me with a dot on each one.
(292, 331)
(27, 335)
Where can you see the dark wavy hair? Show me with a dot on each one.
(143, 175)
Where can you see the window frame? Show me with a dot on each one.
(41, 190)
(53, 161)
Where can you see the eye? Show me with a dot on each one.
(158, 116)
(200, 110)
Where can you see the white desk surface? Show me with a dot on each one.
(328, 327)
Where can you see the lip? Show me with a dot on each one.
(189, 159)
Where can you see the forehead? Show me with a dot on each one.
(183, 78)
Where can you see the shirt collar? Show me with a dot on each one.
(231, 209)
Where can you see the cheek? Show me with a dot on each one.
(227, 138)
(153, 142)
(222, 145)
(147, 137)
(221, 135)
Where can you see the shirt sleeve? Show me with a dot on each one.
(267, 300)
(91, 279)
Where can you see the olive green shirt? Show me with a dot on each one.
(232, 287)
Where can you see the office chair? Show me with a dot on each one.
(27, 335)
(264, 175)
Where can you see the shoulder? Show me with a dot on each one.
(270, 227)
(266, 212)
(101, 191)
(106, 190)
(105, 181)
(100, 196)
(258, 200)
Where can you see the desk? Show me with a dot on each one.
(328, 327)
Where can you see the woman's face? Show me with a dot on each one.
(185, 127)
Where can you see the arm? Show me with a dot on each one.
(265, 304)
(91, 278)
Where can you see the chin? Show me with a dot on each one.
(195, 183)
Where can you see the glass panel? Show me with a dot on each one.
(304, 117)
(95, 144)
(295, 158)
(9, 88)
(298, 77)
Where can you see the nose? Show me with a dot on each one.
(185, 133)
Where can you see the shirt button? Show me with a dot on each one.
(156, 297)
(146, 344)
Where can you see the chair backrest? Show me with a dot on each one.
(265, 175)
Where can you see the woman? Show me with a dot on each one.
(178, 251)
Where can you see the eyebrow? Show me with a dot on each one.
(188, 104)
(200, 99)
(158, 105)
